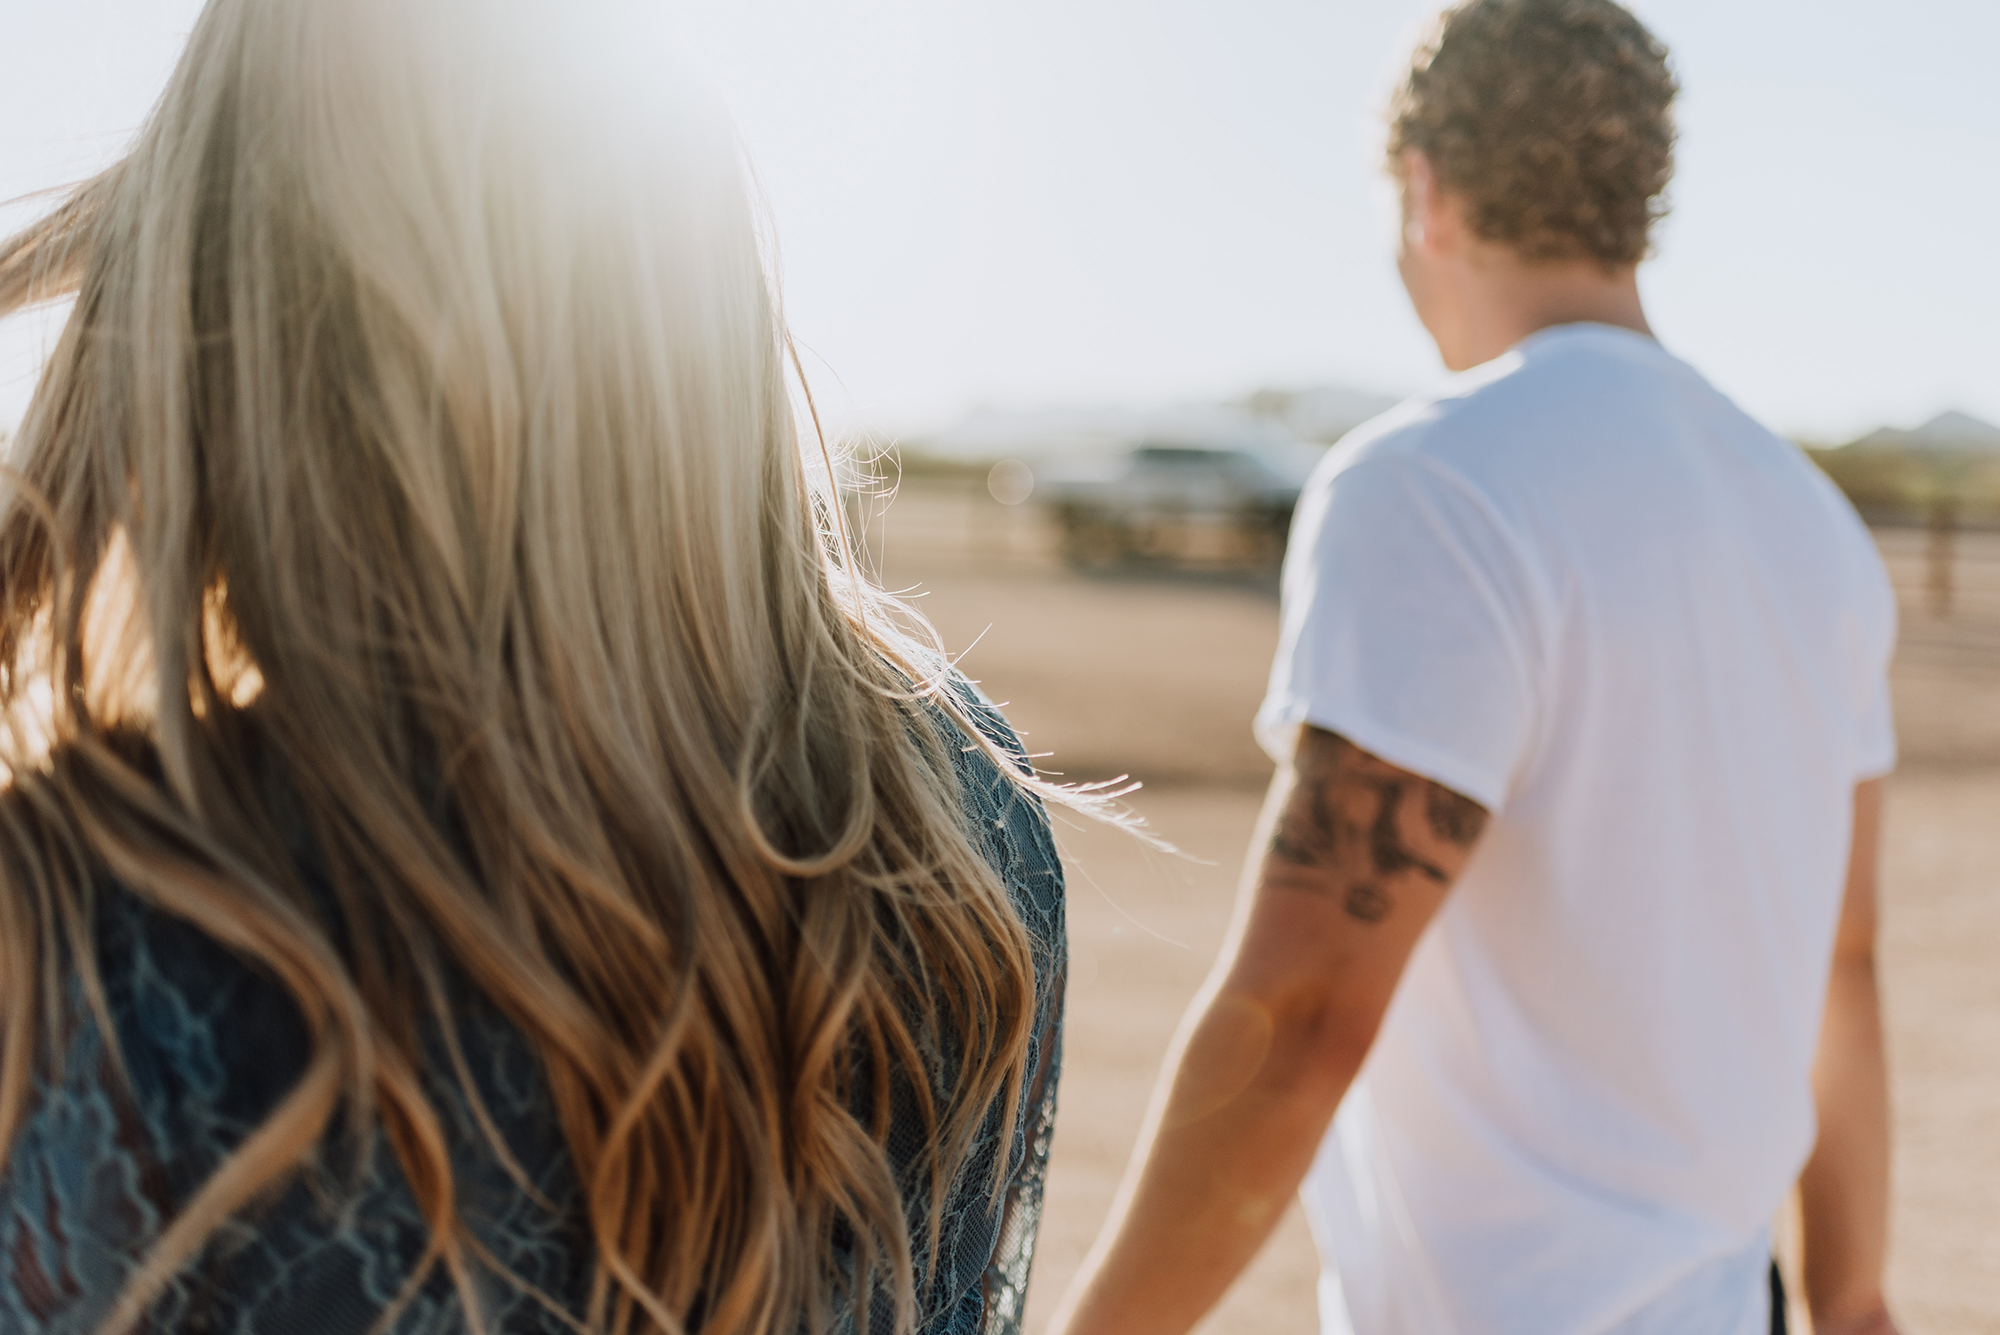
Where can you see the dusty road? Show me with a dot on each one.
(1158, 676)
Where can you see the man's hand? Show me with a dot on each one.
(1877, 1322)
(1354, 855)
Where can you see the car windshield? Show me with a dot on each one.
(1183, 456)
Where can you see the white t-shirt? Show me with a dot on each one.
(1584, 589)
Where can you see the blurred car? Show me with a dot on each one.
(1173, 501)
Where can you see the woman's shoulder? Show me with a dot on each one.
(203, 1046)
(152, 1082)
(146, 1006)
(986, 719)
(197, 1025)
(1009, 816)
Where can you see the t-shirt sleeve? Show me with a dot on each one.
(1877, 750)
(1408, 627)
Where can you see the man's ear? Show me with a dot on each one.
(1426, 221)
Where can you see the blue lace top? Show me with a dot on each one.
(102, 1165)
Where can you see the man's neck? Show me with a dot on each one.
(1503, 299)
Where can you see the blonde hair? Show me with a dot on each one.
(422, 427)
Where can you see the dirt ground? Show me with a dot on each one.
(1158, 675)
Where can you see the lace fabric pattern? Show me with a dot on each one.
(999, 1235)
(103, 1164)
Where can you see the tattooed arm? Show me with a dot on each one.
(1353, 858)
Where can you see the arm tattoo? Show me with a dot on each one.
(1345, 817)
(1456, 819)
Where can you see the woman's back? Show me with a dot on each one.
(450, 743)
(210, 1046)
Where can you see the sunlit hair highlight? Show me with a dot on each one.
(421, 437)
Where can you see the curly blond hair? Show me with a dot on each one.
(1551, 120)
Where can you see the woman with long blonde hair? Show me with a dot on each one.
(475, 853)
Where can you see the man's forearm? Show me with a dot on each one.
(1243, 1115)
(1356, 856)
(1844, 1191)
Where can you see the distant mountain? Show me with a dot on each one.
(1950, 431)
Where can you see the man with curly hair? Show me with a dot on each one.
(1554, 971)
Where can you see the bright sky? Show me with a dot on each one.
(1059, 202)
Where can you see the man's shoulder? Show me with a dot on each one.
(1457, 431)
(1534, 392)
(1581, 411)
